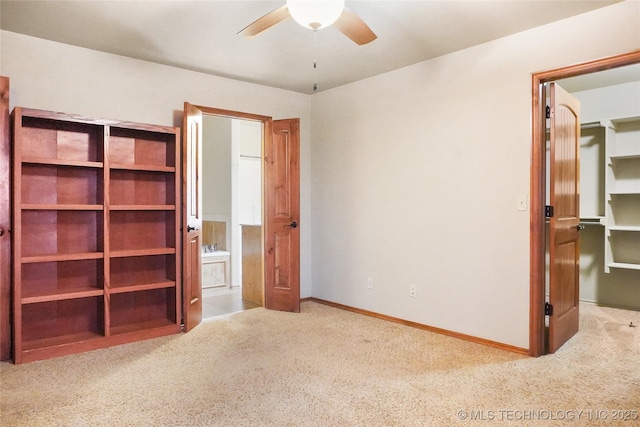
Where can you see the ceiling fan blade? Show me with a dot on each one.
(267, 21)
(352, 26)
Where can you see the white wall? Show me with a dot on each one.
(54, 76)
(250, 172)
(415, 176)
(216, 168)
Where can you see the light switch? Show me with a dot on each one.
(521, 202)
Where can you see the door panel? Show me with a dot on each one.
(564, 247)
(283, 263)
(282, 215)
(192, 216)
(192, 287)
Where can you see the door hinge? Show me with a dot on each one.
(548, 309)
(547, 112)
(548, 211)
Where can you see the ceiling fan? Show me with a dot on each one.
(316, 15)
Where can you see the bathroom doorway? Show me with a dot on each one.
(232, 215)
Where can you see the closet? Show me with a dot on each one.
(617, 141)
(610, 194)
(96, 229)
(622, 189)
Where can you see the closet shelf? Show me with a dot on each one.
(142, 207)
(62, 162)
(146, 168)
(624, 265)
(60, 207)
(624, 228)
(62, 257)
(142, 252)
(591, 125)
(625, 156)
(592, 220)
(63, 295)
(62, 340)
(624, 193)
(141, 287)
(143, 326)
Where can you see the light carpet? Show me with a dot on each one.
(330, 367)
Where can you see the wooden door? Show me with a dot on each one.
(282, 216)
(191, 216)
(564, 248)
(5, 221)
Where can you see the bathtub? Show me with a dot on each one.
(215, 269)
(214, 254)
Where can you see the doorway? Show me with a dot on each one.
(232, 206)
(539, 184)
(279, 240)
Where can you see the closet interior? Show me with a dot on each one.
(610, 188)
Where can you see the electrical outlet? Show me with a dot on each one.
(369, 282)
(412, 291)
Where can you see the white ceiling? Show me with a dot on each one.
(202, 35)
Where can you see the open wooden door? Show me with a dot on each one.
(191, 216)
(564, 222)
(282, 215)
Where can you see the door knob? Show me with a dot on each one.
(292, 225)
(1, 231)
(190, 228)
(579, 227)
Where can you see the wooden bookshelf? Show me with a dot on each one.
(96, 233)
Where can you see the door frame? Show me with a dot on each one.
(5, 222)
(265, 120)
(538, 184)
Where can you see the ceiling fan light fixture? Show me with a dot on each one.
(315, 14)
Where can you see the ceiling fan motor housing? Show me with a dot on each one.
(315, 14)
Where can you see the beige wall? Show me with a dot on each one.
(416, 174)
(54, 76)
(216, 167)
